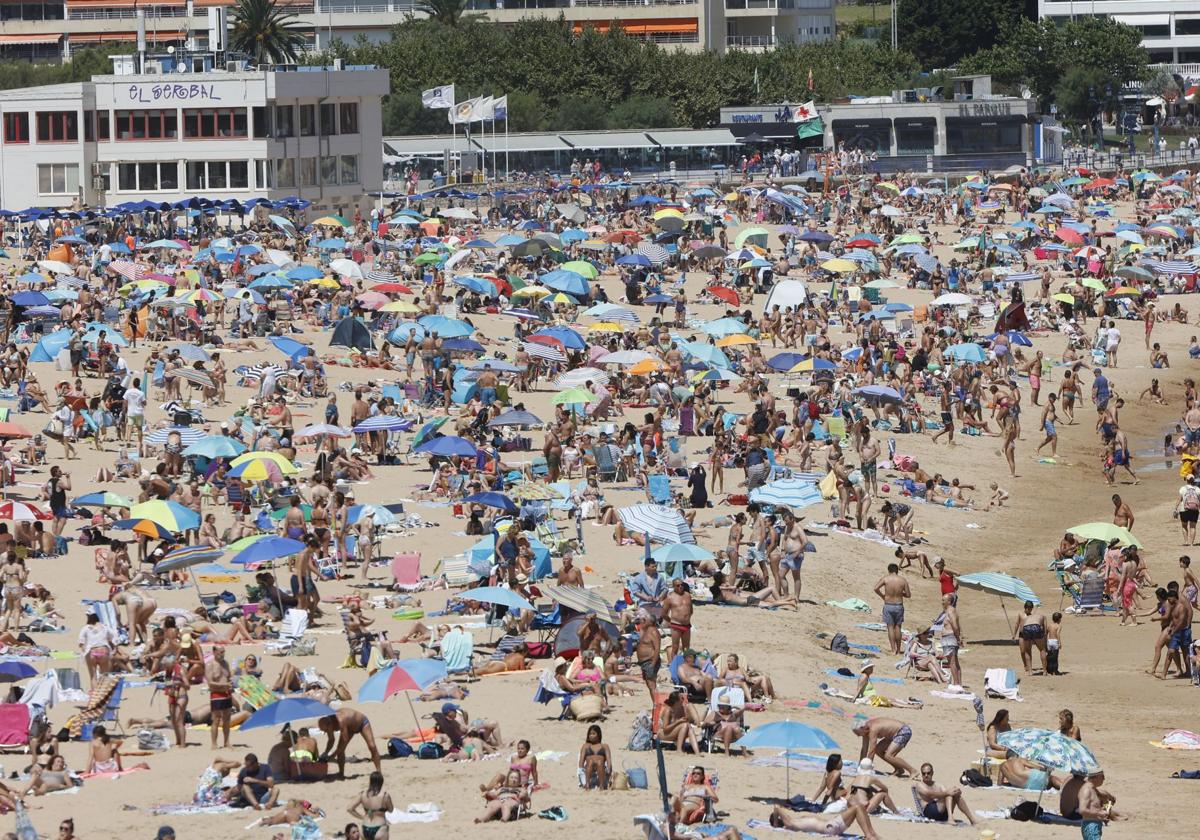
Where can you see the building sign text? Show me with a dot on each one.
(985, 109)
(146, 94)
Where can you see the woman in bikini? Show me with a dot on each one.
(523, 762)
(104, 754)
(14, 575)
(138, 609)
(53, 777)
(595, 760)
(733, 675)
(695, 795)
(372, 807)
(674, 723)
(831, 783)
(504, 802)
(869, 792)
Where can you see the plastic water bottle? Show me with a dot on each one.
(24, 826)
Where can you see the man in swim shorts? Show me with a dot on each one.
(937, 802)
(893, 589)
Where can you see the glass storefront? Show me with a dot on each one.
(916, 136)
(870, 135)
(966, 135)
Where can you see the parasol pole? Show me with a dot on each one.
(1007, 620)
(416, 720)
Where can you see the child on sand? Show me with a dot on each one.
(1053, 644)
(999, 496)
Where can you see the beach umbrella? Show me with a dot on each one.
(680, 553)
(287, 710)
(285, 466)
(811, 364)
(579, 377)
(573, 396)
(193, 375)
(447, 446)
(951, 299)
(787, 492)
(496, 595)
(319, 429)
(1107, 532)
(878, 393)
(216, 446)
(446, 327)
(565, 336)
(267, 548)
(569, 282)
(1050, 749)
(383, 423)
(104, 499)
(999, 584)
(145, 527)
(14, 511)
(170, 515)
(580, 600)
(15, 671)
(279, 514)
(188, 435)
(402, 675)
(257, 470)
(493, 500)
(186, 557)
(785, 735)
(966, 352)
(516, 418)
(11, 431)
(663, 524)
(625, 357)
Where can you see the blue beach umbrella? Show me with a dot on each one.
(268, 548)
(287, 710)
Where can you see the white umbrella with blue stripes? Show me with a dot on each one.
(188, 434)
(663, 524)
(999, 584)
(787, 492)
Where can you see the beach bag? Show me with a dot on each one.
(399, 748)
(1191, 499)
(430, 750)
(839, 644)
(620, 781)
(538, 650)
(587, 707)
(1026, 812)
(642, 737)
(637, 776)
(973, 778)
(151, 740)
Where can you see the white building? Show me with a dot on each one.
(45, 30)
(1170, 28)
(181, 128)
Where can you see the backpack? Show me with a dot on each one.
(399, 748)
(1191, 499)
(430, 750)
(1026, 812)
(973, 778)
(642, 737)
(839, 644)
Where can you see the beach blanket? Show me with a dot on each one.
(822, 706)
(834, 672)
(114, 775)
(710, 830)
(869, 535)
(419, 812)
(1178, 739)
(854, 604)
(953, 695)
(192, 808)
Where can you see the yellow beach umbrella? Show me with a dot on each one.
(735, 340)
(606, 326)
(285, 466)
(536, 292)
(646, 367)
(399, 306)
(325, 283)
(840, 266)
(1065, 298)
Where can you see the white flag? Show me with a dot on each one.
(805, 112)
(487, 108)
(438, 97)
(500, 108)
(467, 111)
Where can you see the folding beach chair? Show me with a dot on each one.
(548, 690)
(457, 570)
(14, 727)
(777, 471)
(1090, 597)
(406, 571)
(457, 650)
(607, 467)
(658, 489)
(112, 708)
(291, 631)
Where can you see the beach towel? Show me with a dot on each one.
(822, 706)
(1178, 739)
(253, 692)
(855, 604)
(1001, 683)
(834, 672)
(457, 650)
(94, 710)
(419, 812)
(953, 695)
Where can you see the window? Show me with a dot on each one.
(239, 175)
(127, 177)
(208, 123)
(217, 177)
(1187, 26)
(349, 117)
(102, 125)
(349, 173)
(285, 125)
(147, 176)
(285, 173)
(308, 172)
(328, 119)
(58, 178)
(329, 166)
(308, 120)
(262, 121)
(89, 126)
(168, 175)
(263, 174)
(196, 175)
(16, 128)
(57, 126)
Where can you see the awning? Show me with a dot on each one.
(529, 143)
(431, 144)
(643, 26)
(151, 37)
(30, 39)
(584, 140)
(685, 138)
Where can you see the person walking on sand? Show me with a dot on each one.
(219, 677)
(952, 638)
(1127, 588)
(1049, 417)
(884, 738)
(1122, 513)
(1031, 629)
(893, 589)
(649, 652)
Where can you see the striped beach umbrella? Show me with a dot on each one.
(187, 434)
(1051, 749)
(663, 524)
(999, 583)
(542, 351)
(170, 515)
(579, 377)
(384, 423)
(183, 558)
(580, 600)
(13, 511)
(193, 375)
(787, 492)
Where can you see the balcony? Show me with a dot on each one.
(750, 42)
(739, 5)
(156, 12)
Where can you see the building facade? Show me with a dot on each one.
(1170, 28)
(171, 132)
(49, 30)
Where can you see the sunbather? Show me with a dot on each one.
(694, 796)
(292, 812)
(828, 824)
(49, 779)
(675, 722)
(505, 801)
(868, 790)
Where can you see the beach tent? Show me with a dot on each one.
(1012, 318)
(351, 332)
(50, 346)
(143, 318)
(786, 294)
(482, 552)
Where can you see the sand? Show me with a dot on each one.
(1118, 706)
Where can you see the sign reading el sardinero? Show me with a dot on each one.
(148, 93)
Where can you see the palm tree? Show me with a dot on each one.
(262, 30)
(448, 12)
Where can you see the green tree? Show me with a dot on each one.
(266, 32)
(403, 114)
(1081, 94)
(580, 113)
(940, 32)
(446, 12)
(642, 112)
(526, 112)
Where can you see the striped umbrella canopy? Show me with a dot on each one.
(580, 600)
(541, 351)
(625, 357)
(14, 511)
(403, 675)
(384, 423)
(285, 466)
(1051, 749)
(999, 584)
(787, 492)
(188, 434)
(183, 558)
(318, 429)
(580, 376)
(663, 524)
(129, 270)
(103, 498)
(655, 253)
(196, 377)
(259, 371)
(257, 470)
(170, 515)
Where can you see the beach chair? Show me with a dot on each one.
(658, 489)
(291, 631)
(548, 690)
(457, 570)
(734, 697)
(777, 471)
(359, 644)
(14, 727)
(693, 696)
(547, 620)
(607, 469)
(106, 611)
(548, 534)
(112, 708)
(100, 707)
(1090, 596)
(457, 650)
(406, 571)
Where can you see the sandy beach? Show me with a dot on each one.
(1119, 708)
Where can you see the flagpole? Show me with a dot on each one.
(453, 141)
(507, 168)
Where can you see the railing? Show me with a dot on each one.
(1178, 69)
(759, 4)
(749, 40)
(363, 8)
(669, 37)
(635, 2)
(161, 12)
